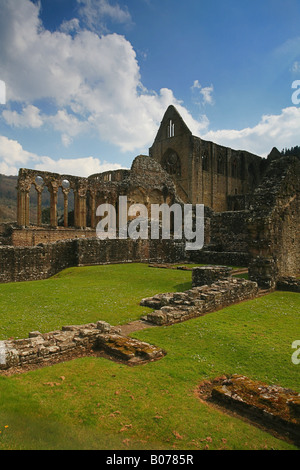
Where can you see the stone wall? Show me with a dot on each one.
(274, 223)
(181, 306)
(220, 257)
(38, 262)
(226, 239)
(207, 275)
(45, 260)
(289, 283)
(204, 172)
(44, 349)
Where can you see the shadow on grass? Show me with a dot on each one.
(183, 287)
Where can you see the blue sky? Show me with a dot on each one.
(88, 81)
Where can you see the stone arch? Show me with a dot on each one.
(45, 205)
(171, 162)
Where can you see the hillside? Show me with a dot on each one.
(8, 198)
(8, 202)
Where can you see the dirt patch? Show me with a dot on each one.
(272, 408)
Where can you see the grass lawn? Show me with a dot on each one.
(93, 403)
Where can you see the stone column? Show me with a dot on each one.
(21, 209)
(53, 208)
(93, 209)
(80, 208)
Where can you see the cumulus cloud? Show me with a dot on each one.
(13, 157)
(94, 13)
(272, 130)
(94, 81)
(94, 87)
(202, 95)
(29, 117)
(75, 166)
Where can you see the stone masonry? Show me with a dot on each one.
(177, 307)
(41, 349)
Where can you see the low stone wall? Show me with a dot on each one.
(181, 306)
(291, 284)
(38, 262)
(207, 275)
(42, 261)
(274, 408)
(41, 349)
(264, 272)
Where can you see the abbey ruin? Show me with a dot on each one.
(252, 211)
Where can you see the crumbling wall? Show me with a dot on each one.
(207, 275)
(226, 239)
(38, 262)
(45, 260)
(177, 307)
(44, 349)
(274, 223)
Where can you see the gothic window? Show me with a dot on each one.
(171, 163)
(171, 129)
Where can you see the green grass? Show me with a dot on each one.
(83, 295)
(93, 403)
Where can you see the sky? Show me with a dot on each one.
(84, 84)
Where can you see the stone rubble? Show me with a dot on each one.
(40, 349)
(176, 307)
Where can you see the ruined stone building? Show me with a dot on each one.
(252, 204)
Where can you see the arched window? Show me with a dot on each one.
(171, 163)
(171, 129)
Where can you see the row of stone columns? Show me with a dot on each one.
(80, 207)
(85, 205)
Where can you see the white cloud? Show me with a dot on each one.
(279, 131)
(2, 92)
(95, 12)
(94, 82)
(93, 85)
(296, 67)
(202, 95)
(13, 157)
(75, 166)
(70, 26)
(29, 117)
